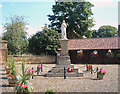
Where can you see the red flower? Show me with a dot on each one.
(9, 75)
(97, 55)
(5, 67)
(13, 77)
(89, 66)
(24, 86)
(18, 84)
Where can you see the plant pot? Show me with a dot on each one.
(19, 92)
(12, 82)
(100, 76)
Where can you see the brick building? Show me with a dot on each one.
(88, 45)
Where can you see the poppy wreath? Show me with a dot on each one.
(70, 69)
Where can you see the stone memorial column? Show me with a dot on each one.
(64, 60)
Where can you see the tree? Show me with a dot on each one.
(95, 34)
(105, 31)
(78, 16)
(15, 34)
(44, 42)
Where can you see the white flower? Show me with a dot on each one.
(7, 67)
(18, 77)
(95, 52)
(80, 51)
(109, 51)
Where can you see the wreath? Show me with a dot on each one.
(80, 53)
(109, 54)
(94, 54)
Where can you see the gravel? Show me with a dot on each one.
(87, 83)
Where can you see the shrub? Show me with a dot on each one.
(50, 91)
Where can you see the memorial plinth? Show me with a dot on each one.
(64, 61)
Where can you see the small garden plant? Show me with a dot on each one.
(89, 67)
(8, 67)
(23, 85)
(29, 72)
(101, 72)
(50, 91)
(13, 74)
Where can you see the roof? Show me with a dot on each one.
(3, 41)
(94, 43)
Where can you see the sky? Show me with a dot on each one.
(36, 11)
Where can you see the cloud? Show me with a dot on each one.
(0, 5)
(104, 3)
(1, 30)
(99, 23)
(31, 31)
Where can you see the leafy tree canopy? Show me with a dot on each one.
(105, 31)
(44, 42)
(78, 16)
(15, 34)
